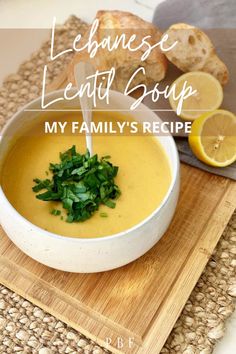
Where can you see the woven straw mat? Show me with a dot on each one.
(25, 328)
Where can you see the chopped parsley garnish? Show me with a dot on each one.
(56, 212)
(81, 183)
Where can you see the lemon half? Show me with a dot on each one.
(208, 97)
(213, 138)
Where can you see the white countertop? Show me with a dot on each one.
(39, 14)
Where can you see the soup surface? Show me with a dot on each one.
(144, 176)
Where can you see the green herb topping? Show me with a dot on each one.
(81, 183)
(56, 212)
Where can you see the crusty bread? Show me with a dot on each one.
(194, 51)
(114, 23)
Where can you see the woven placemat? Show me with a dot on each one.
(25, 328)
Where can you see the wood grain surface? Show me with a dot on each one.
(137, 305)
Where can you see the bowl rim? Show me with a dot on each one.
(174, 178)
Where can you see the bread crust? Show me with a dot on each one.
(194, 52)
(125, 62)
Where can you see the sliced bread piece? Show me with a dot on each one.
(194, 52)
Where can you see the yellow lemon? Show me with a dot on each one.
(213, 138)
(208, 96)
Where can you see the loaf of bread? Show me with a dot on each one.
(125, 62)
(194, 52)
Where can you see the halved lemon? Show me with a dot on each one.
(208, 96)
(213, 138)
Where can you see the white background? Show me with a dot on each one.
(39, 14)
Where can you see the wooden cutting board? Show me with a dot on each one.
(135, 306)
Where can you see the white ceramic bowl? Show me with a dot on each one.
(96, 254)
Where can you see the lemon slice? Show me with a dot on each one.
(208, 97)
(213, 138)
